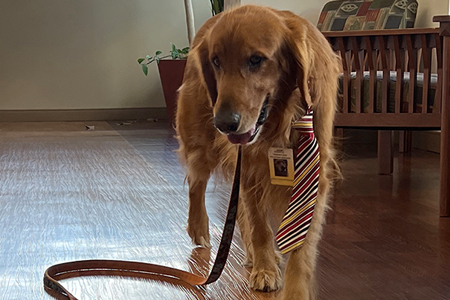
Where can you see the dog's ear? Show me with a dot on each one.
(318, 69)
(207, 70)
(298, 50)
(316, 64)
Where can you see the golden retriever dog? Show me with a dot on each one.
(250, 73)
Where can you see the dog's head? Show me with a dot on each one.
(250, 57)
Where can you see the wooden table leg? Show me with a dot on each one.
(385, 152)
(405, 141)
(445, 125)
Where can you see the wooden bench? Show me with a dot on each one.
(373, 57)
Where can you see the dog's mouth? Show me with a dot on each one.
(250, 135)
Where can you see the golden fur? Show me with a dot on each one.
(299, 70)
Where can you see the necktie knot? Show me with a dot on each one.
(304, 124)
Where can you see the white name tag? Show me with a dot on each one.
(281, 164)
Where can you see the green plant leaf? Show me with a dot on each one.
(148, 57)
(217, 6)
(140, 60)
(185, 50)
(145, 69)
(158, 53)
(174, 48)
(175, 54)
(157, 59)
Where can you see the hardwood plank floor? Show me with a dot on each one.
(118, 192)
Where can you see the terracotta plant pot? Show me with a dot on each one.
(171, 73)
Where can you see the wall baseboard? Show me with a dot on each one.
(83, 115)
(427, 140)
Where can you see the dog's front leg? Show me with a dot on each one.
(198, 222)
(266, 273)
(299, 282)
(299, 278)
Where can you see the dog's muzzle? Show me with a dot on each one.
(229, 128)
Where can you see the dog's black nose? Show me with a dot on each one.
(227, 121)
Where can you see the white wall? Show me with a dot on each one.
(428, 9)
(311, 9)
(308, 9)
(81, 54)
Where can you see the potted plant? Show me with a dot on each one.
(171, 70)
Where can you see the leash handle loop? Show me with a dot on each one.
(146, 270)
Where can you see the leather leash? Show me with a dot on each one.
(146, 270)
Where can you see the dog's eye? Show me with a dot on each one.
(216, 61)
(255, 61)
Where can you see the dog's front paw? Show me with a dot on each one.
(199, 233)
(265, 280)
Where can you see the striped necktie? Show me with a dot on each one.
(297, 219)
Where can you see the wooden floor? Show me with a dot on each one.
(117, 192)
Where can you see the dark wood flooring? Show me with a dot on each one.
(118, 192)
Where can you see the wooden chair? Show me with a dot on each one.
(344, 15)
(397, 60)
